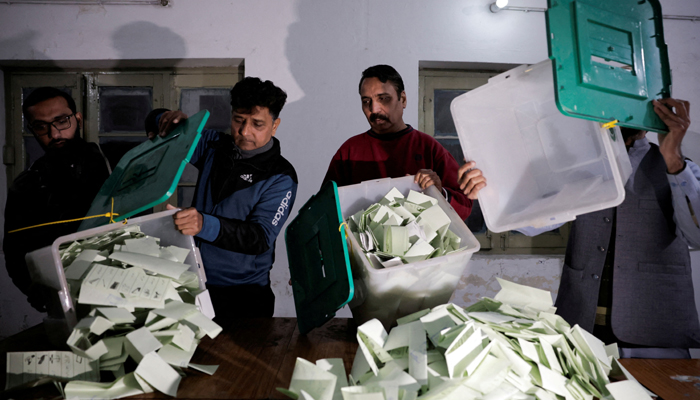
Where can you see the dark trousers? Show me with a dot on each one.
(241, 301)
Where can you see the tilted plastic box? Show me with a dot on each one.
(390, 293)
(319, 256)
(146, 176)
(45, 267)
(542, 167)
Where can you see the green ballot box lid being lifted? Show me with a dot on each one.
(148, 174)
(609, 60)
(318, 259)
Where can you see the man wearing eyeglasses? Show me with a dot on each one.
(58, 186)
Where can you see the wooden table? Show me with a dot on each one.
(658, 376)
(255, 356)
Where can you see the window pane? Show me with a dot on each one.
(185, 194)
(124, 109)
(444, 125)
(114, 147)
(453, 146)
(217, 101)
(32, 150)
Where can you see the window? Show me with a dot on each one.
(115, 104)
(438, 87)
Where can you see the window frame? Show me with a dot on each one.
(85, 84)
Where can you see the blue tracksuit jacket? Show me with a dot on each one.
(245, 203)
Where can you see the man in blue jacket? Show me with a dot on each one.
(244, 194)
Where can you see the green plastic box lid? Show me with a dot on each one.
(610, 60)
(318, 259)
(148, 174)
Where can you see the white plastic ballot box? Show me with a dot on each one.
(390, 293)
(45, 267)
(329, 269)
(542, 167)
(147, 175)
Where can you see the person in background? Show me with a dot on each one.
(60, 185)
(627, 276)
(244, 194)
(390, 148)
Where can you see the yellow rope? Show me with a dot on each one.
(610, 124)
(347, 228)
(109, 215)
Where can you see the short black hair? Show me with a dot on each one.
(629, 132)
(251, 92)
(45, 93)
(384, 73)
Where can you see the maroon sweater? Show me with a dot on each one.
(370, 156)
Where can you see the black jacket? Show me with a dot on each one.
(58, 186)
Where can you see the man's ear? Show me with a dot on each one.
(275, 125)
(79, 119)
(403, 99)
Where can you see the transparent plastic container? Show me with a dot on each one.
(391, 293)
(45, 268)
(542, 167)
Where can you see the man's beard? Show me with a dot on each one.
(69, 148)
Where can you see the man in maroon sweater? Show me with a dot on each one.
(393, 149)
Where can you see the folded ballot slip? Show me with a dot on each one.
(510, 347)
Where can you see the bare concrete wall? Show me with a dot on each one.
(479, 279)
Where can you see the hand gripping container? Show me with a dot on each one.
(146, 176)
(386, 294)
(542, 167)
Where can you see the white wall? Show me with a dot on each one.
(316, 51)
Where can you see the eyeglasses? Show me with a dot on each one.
(41, 128)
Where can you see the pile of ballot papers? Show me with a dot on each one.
(399, 230)
(509, 347)
(138, 302)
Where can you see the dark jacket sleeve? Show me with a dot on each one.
(259, 231)
(18, 214)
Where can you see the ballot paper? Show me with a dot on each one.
(142, 303)
(154, 264)
(130, 287)
(26, 367)
(127, 385)
(510, 347)
(400, 230)
(82, 263)
(158, 374)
